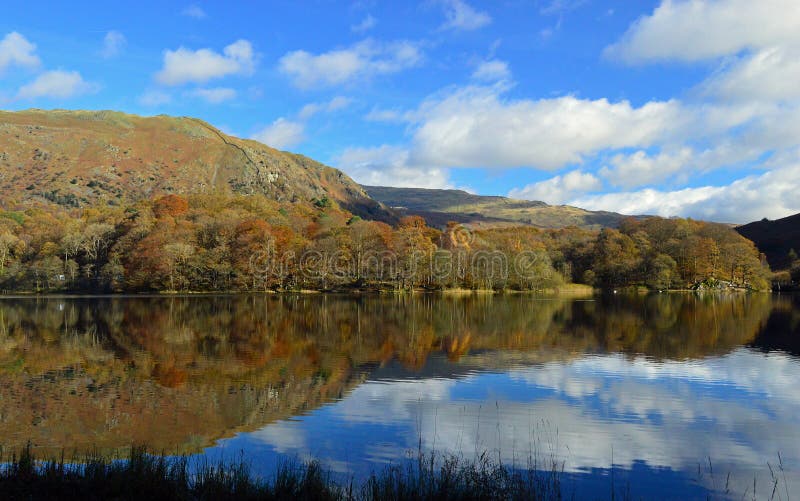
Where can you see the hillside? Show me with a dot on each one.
(440, 206)
(84, 158)
(774, 238)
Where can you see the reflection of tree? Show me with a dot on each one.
(183, 371)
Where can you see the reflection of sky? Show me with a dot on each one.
(740, 410)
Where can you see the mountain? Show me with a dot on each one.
(82, 158)
(774, 238)
(440, 206)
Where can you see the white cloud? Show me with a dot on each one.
(154, 98)
(113, 43)
(461, 16)
(770, 74)
(366, 24)
(365, 59)
(492, 71)
(215, 95)
(56, 84)
(693, 30)
(335, 104)
(16, 50)
(559, 189)
(194, 11)
(281, 134)
(677, 164)
(772, 194)
(475, 127)
(389, 166)
(639, 168)
(199, 66)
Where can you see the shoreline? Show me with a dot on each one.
(569, 290)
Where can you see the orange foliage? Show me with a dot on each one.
(170, 205)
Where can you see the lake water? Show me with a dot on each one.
(669, 395)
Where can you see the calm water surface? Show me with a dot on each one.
(667, 394)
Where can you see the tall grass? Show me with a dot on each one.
(153, 477)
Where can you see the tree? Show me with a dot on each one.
(662, 272)
(177, 254)
(170, 205)
(10, 244)
(95, 239)
(616, 259)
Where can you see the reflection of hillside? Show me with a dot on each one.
(782, 330)
(177, 373)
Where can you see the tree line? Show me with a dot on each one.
(222, 242)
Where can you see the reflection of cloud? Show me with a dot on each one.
(739, 410)
(397, 400)
(283, 436)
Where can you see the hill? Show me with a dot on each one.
(774, 238)
(85, 158)
(440, 206)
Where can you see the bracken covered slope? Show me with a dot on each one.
(84, 158)
(440, 206)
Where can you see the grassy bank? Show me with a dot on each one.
(154, 477)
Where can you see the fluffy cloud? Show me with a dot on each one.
(16, 50)
(113, 43)
(693, 30)
(559, 189)
(389, 166)
(772, 194)
(281, 134)
(335, 104)
(461, 16)
(639, 168)
(335, 67)
(56, 84)
(770, 74)
(492, 71)
(630, 170)
(476, 127)
(183, 65)
(214, 95)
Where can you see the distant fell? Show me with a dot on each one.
(85, 158)
(440, 206)
(775, 238)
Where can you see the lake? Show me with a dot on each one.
(662, 395)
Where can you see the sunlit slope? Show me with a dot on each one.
(440, 206)
(85, 158)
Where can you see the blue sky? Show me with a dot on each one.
(679, 107)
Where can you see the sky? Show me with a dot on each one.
(671, 107)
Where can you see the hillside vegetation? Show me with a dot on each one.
(79, 159)
(103, 201)
(440, 206)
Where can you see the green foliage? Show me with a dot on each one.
(15, 216)
(322, 203)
